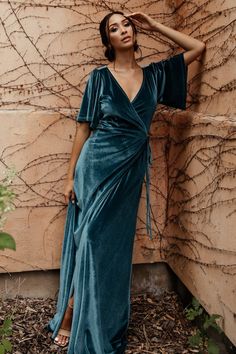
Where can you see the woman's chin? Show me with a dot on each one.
(125, 46)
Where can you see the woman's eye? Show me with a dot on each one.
(114, 29)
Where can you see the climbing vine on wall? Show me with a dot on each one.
(48, 48)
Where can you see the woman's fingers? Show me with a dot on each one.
(135, 17)
(67, 197)
(138, 16)
(69, 192)
(133, 14)
(142, 20)
(72, 196)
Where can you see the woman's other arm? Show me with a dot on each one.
(82, 134)
(193, 46)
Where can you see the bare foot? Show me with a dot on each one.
(61, 339)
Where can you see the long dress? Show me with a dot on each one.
(96, 260)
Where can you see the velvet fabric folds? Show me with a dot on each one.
(96, 261)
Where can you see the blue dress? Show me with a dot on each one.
(96, 261)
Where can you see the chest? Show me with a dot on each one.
(130, 82)
(114, 101)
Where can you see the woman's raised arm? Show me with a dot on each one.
(193, 46)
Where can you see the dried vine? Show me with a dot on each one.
(50, 47)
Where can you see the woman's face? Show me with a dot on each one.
(120, 32)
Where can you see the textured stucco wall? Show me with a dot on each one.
(201, 216)
(47, 50)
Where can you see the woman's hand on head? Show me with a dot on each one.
(142, 20)
(69, 193)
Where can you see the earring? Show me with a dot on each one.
(110, 48)
(111, 51)
(136, 46)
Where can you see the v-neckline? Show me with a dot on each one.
(121, 88)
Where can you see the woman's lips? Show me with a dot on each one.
(126, 39)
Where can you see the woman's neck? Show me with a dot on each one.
(124, 60)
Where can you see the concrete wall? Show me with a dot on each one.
(47, 50)
(146, 278)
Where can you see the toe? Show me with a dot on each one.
(64, 340)
(60, 340)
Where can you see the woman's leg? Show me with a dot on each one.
(65, 324)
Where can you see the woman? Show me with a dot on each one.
(105, 177)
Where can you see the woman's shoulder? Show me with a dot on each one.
(101, 68)
(98, 70)
(97, 73)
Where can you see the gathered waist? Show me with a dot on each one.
(126, 132)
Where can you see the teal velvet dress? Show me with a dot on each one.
(96, 261)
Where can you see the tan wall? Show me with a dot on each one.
(201, 215)
(38, 145)
(48, 51)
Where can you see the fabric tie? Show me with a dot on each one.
(148, 211)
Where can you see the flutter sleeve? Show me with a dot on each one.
(171, 79)
(90, 107)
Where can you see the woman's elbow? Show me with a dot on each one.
(193, 54)
(202, 47)
(199, 48)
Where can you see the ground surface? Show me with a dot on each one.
(157, 325)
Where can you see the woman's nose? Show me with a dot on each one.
(123, 30)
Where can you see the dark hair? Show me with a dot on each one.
(103, 27)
